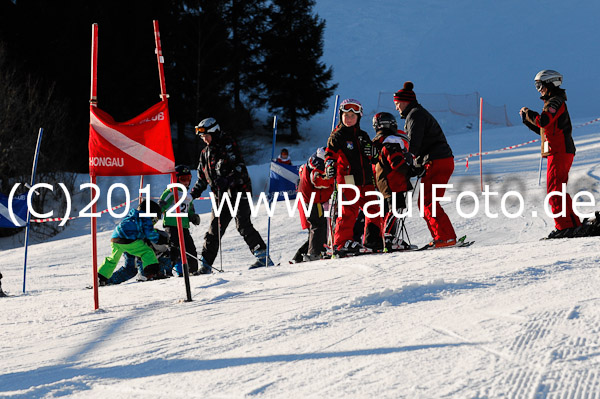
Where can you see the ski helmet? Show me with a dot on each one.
(384, 120)
(547, 77)
(351, 105)
(207, 126)
(154, 207)
(182, 170)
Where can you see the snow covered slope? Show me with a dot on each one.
(511, 316)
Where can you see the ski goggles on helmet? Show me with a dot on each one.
(201, 130)
(538, 85)
(351, 107)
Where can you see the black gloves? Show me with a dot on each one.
(194, 219)
(330, 168)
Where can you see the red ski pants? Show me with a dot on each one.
(557, 173)
(438, 172)
(345, 222)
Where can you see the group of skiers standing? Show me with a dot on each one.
(393, 156)
(385, 163)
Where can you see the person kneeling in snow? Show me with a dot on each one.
(129, 237)
(313, 180)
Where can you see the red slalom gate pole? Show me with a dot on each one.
(163, 95)
(94, 103)
(480, 141)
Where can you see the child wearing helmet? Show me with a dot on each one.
(554, 127)
(349, 155)
(167, 199)
(129, 236)
(392, 171)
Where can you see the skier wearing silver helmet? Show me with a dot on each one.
(554, 127)
(222, 167)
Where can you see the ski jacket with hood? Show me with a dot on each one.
(553, 124)
(427, 140)
(345, 147)
(222, 167)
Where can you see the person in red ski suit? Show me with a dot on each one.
(314, 180)
(349, 155)
(284, 157)
(554, 127)
(430, 147)
(392, 172)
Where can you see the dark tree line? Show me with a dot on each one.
(222, 59)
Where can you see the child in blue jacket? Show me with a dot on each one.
(129, 237)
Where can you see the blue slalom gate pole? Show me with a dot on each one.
(35, 159)
(269, 189)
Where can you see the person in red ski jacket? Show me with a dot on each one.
(392, 172)
(430, 147)
(554, 127)
(313, 181)
(349, 155)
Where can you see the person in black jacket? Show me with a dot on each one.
(554, 127)
(432, 152)
(222, 167)
(349, 155)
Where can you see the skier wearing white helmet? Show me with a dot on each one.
(554, 127)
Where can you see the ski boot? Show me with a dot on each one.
(204, 269)
(261, 254)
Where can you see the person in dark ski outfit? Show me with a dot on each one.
(314, 180)
(554, 127)
(392, 171)
(222, 167)
(431, 150)
(129, 236)
(167, 199)
(349, 155)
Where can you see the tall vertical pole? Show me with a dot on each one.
(332, 204)
(94, 103)
(163, 95)
(480, 141)
(28, 226)
(270, 162)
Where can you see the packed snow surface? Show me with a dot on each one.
(509, 317)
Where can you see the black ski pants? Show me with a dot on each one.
(242, 222)
(190, 248)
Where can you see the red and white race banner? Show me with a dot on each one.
(140, 146)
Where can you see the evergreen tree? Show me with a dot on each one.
(295, 81)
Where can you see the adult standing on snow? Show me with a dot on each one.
(430, 147)
(554, 127)
(222, 167)
(350, 154)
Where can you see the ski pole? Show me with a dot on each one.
(212, 267)
(219, 232)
